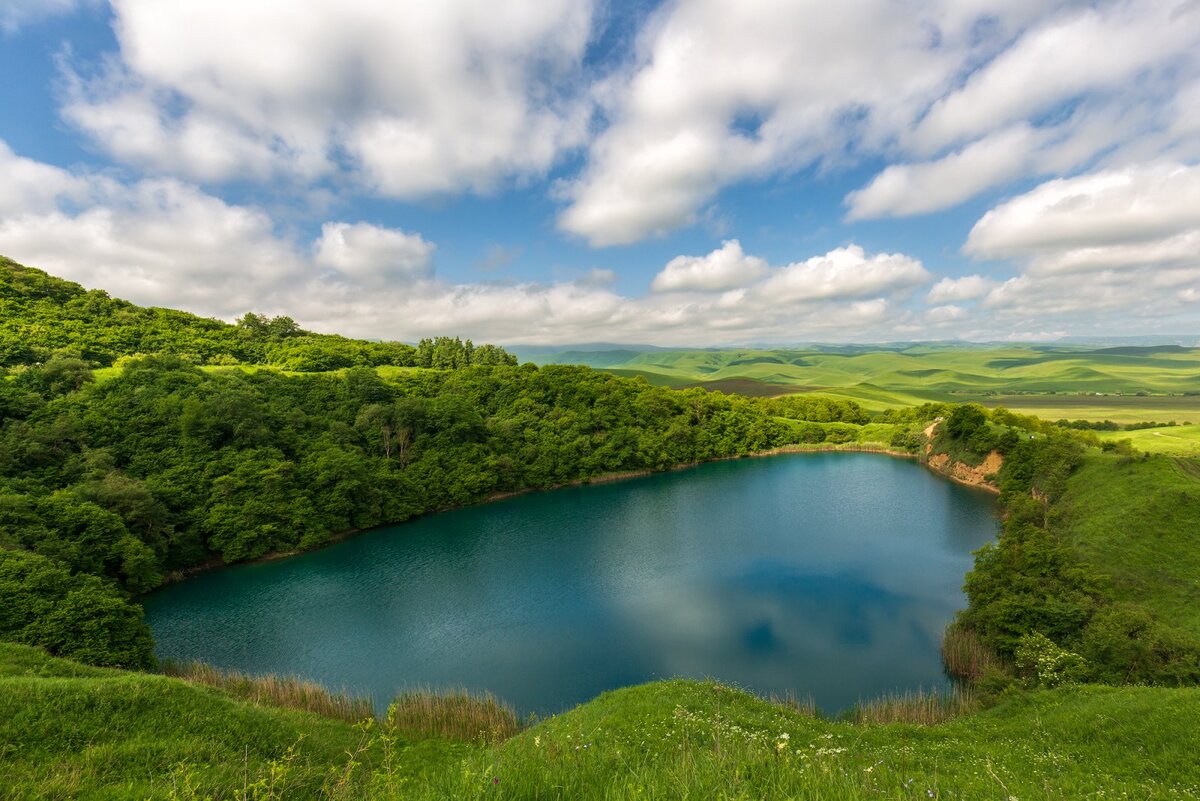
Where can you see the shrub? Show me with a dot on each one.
(1044, 664)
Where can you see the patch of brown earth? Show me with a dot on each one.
(965, 473)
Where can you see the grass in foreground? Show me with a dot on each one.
(67, 731)
(287, 692)
(693, 740)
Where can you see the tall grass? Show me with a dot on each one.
(454, 715)
(965, 655)
(803, 704)
(920, 707)
(271, 690)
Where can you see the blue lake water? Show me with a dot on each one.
(826, 574)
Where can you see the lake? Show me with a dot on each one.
(824, 574)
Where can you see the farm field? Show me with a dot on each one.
(1123, 384)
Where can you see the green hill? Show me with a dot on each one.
(68, 731)
(1126, 384)
(41, 315)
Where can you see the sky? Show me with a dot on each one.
(555, 172)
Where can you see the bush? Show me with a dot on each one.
(1125, 645)
(1044, 664)
(74, 616)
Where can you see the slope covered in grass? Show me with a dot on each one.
(1051, 381)
(70, 731)
(682, 739)
(1138, 521)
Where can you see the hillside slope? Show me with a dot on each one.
(71, 731)
(41, 315)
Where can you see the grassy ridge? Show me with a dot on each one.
(69, 731)
(1138, 521)
(1049, 381)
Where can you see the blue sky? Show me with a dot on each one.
(558, 171)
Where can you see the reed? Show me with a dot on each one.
(453, 715)
(272, 690)
(965, 655)
(920, 707)
(805, 704)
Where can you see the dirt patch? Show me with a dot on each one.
(965, 473)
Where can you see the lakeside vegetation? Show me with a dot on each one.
(172, 463)
(666, 740)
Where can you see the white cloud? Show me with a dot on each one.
(1136, 215)
(164, 242)
(725, 268)
(842, 273)
(1071, 54)
(33, 186)
(167, 243)
(1115, 248)
(941, 315)
(373, 255)
(427, 97)
(967, 287)
(902, 190)
(966, 96)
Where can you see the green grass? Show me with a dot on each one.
(1171, 440)
(692, 740)
(1051, 382)
(68, 731)
(1138, 521)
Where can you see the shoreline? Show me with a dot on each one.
(217, 563)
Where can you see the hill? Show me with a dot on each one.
(72, 731)
(1124, 384)
(41, 315)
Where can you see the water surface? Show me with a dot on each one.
(830, 574)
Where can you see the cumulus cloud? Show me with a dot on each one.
(967, 96)
(430, 97)
(164, 242)
(371, 254)
(1133, 216)
(1112, 245)
(843, 273)
(726, 268)
(953, 290)
(902, 190)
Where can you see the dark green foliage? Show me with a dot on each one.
(1125, 644)
(159, 468)
(40, 316)
(1027, 582)
(964, 421)
(924, 413)
(814, 408)
(1033, 582)
(72, 615)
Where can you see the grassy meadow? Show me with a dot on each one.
(68, 731)
(1125, 384)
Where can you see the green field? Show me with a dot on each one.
(69, 731)
(1173, 440)
(1125, 384)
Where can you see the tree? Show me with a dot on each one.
(75, 616)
